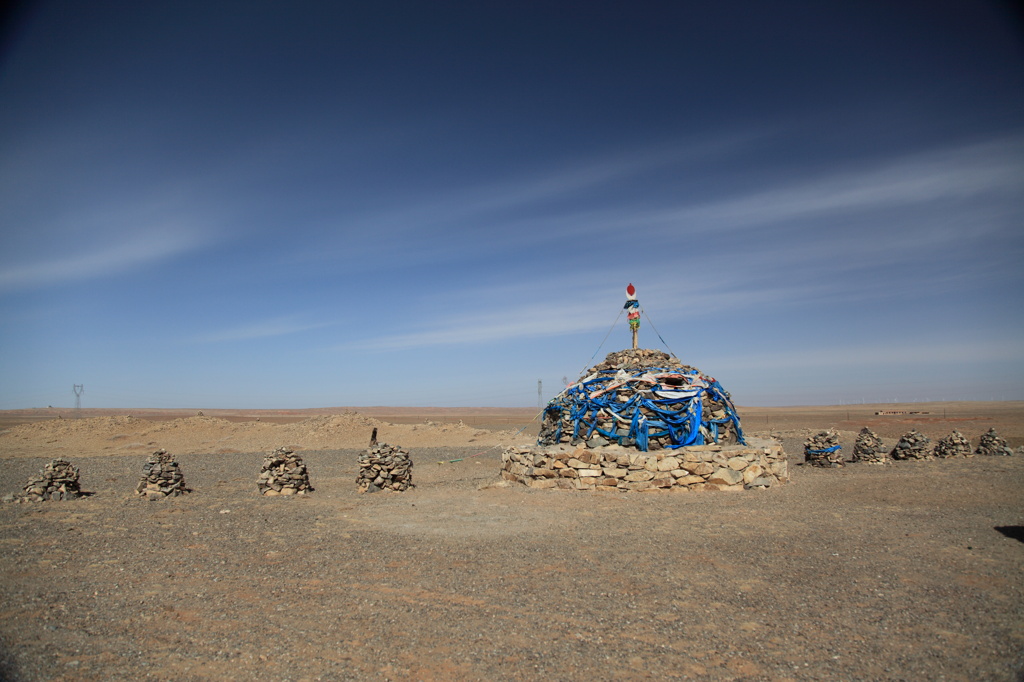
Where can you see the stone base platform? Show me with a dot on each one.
(759, 464)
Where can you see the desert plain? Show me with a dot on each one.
(912, 570)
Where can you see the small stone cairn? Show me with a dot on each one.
(992, 444)
(953, 445)
(161, 477)
(57, 481)
(912, 445)
(868, 448)
(823, 449)
(283, 473)
(384, 467)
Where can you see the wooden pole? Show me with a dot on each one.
(634, 313)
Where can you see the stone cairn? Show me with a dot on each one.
(992, 444)
(953, 445)
(57, 481)
(283, 473)
(912, 445)
(642, 398)
(868, 448)
(384, 467)
(823, 449)
(643, 421)
(161, 477)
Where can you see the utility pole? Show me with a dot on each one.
(78, 390)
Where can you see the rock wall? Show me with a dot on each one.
(760, 464)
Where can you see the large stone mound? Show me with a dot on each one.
(642, 420)
(645, 399)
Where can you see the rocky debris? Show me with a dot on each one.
(283, 473)
(992, 444)
(639, 358)
(57, 481)
(384, 467)
(761, 464)
(161, 477)
(642, 398)
(868, 448)
(912, 445)
(823, 449)
(953, 445)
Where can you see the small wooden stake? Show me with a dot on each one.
(373, 438)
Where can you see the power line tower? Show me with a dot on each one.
(540, 395)
(78, 390)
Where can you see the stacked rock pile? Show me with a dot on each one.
(642, 398)
(760, 464)
(384, 467)
(868, 448)
(283, 473)
(161, 477)
(912, 445)
(992, 444)
(953, 445)
(823, 449)
(57, 481)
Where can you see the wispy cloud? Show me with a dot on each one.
(277, 326)
(502, 203)
(883, 355)
(136, 250)
(937, 192)
(578, 310)
(933, 181)
(992, 168)
(512, 324)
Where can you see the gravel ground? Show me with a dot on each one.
(861, 573)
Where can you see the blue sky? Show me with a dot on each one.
(286, 205)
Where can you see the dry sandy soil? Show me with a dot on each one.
(907, 571)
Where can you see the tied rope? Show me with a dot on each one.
(670, 351)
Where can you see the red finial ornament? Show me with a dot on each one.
(631, 289)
